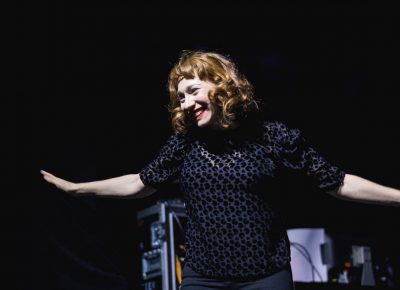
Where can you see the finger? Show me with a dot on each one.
(48, 178)
(47, 174)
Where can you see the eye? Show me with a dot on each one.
(181, 98)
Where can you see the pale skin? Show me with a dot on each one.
(193, 96)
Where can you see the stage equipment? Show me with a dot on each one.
(361, 257)
(162, 244)
(311, 254)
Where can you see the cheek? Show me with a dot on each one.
(206, 100)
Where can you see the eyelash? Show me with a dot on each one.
(182, 98)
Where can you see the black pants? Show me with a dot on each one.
(281, 280)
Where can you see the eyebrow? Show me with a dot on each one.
(188, 88)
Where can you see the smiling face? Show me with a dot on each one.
(193, 98)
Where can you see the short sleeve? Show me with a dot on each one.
(166, 167)
(293, 152)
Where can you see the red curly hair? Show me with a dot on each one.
(232, 95)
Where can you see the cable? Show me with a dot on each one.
(305, 255)
(304, 252)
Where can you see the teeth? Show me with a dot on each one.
(199, 112)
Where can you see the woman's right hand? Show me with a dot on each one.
(62, 184)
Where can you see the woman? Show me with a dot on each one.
(229, 161)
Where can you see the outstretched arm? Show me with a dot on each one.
(358, 189)
(126, 186)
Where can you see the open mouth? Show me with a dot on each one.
(198, 114)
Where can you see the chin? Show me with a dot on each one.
(204, 122)
(202, 125)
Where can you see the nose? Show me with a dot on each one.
(189, 102)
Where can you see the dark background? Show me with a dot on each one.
(92, 97)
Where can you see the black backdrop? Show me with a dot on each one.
(92, 80)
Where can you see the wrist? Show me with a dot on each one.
(75, 188)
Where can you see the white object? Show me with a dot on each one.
(306, 256)
(362, 257)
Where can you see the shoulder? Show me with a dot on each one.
(278, 132)
(174, 143)
(179, 139)
(274, 127)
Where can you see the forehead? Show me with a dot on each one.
(185, 83)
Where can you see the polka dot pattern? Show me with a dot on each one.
(232, 231)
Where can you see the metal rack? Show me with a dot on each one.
(161, 230)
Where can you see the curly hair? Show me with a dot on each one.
(232, 95)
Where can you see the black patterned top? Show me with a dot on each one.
(229, 179)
